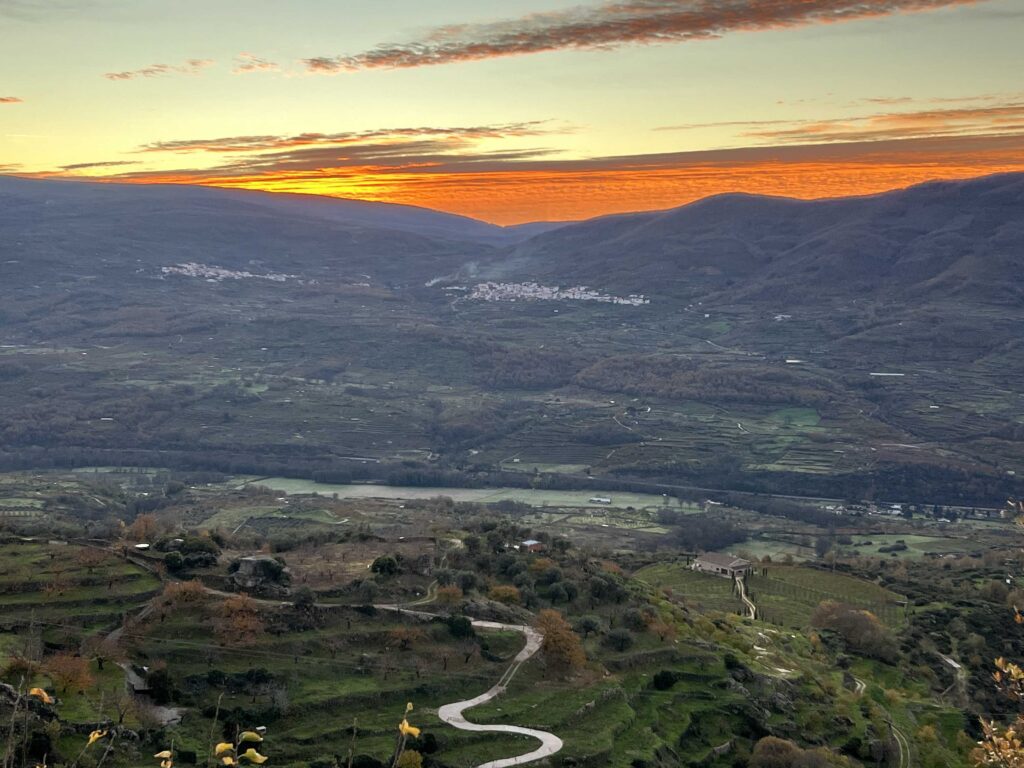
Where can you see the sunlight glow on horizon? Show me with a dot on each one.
(253, 95)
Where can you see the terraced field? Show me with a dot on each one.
(312, 685)
(55, 584)
(784, 595)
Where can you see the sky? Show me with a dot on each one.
(514, 110)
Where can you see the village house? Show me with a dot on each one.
(718, 564)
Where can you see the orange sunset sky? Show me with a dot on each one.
(514, 111)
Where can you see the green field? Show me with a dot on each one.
(917, 545)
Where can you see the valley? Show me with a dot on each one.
(239, 432)
(349, 375)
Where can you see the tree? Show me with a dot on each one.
(304, 599)
(467, 580)
(69, 671)
(406, 637)
(562, 648)
(861, 629)
(368, 590)
(586, 625)
(184, 592)
(636, 619)
(144, 528)
(557, 593)
(90, 558)
(619, 640)
(174, 561)
(385, 565)
(239, 623)
(662, 629)
(822, 545)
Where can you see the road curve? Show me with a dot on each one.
(453, 714)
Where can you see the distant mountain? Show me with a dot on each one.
(348, 212)
(933, 241)
(53, 229)
(928, 243)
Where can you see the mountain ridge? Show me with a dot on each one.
(922, 239)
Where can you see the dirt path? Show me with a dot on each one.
(904, 745)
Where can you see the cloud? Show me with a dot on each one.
(11, 100)
(103, 164)
(233, 144)
(418, 155)
(190, 67)
(1002, 119)
(1006, 118)
(612, 25)
(246, 63)
(534, 184)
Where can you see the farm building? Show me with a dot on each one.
(532, 545)
(600, 500)
(722, 565)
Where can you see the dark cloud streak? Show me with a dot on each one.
(102, 164)
(615, 24)
(228, 144)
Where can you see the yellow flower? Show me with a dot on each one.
(253, 756)
(42, 695)
(223, 747)
(228, 760)
(408, 730)
(165, 755)
(166, 764)
(94, 737)
(249, 736)
(408, 707)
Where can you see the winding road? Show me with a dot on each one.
(751, 608)
(452, 714)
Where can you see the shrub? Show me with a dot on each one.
(460, 626)
(861, 629)
(505, 594)
(665, 679)
(385, 565)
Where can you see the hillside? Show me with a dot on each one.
(930, 242)
(70, 230)
(284, 335)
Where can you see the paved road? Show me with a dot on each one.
(453, 714)
(751, 608)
